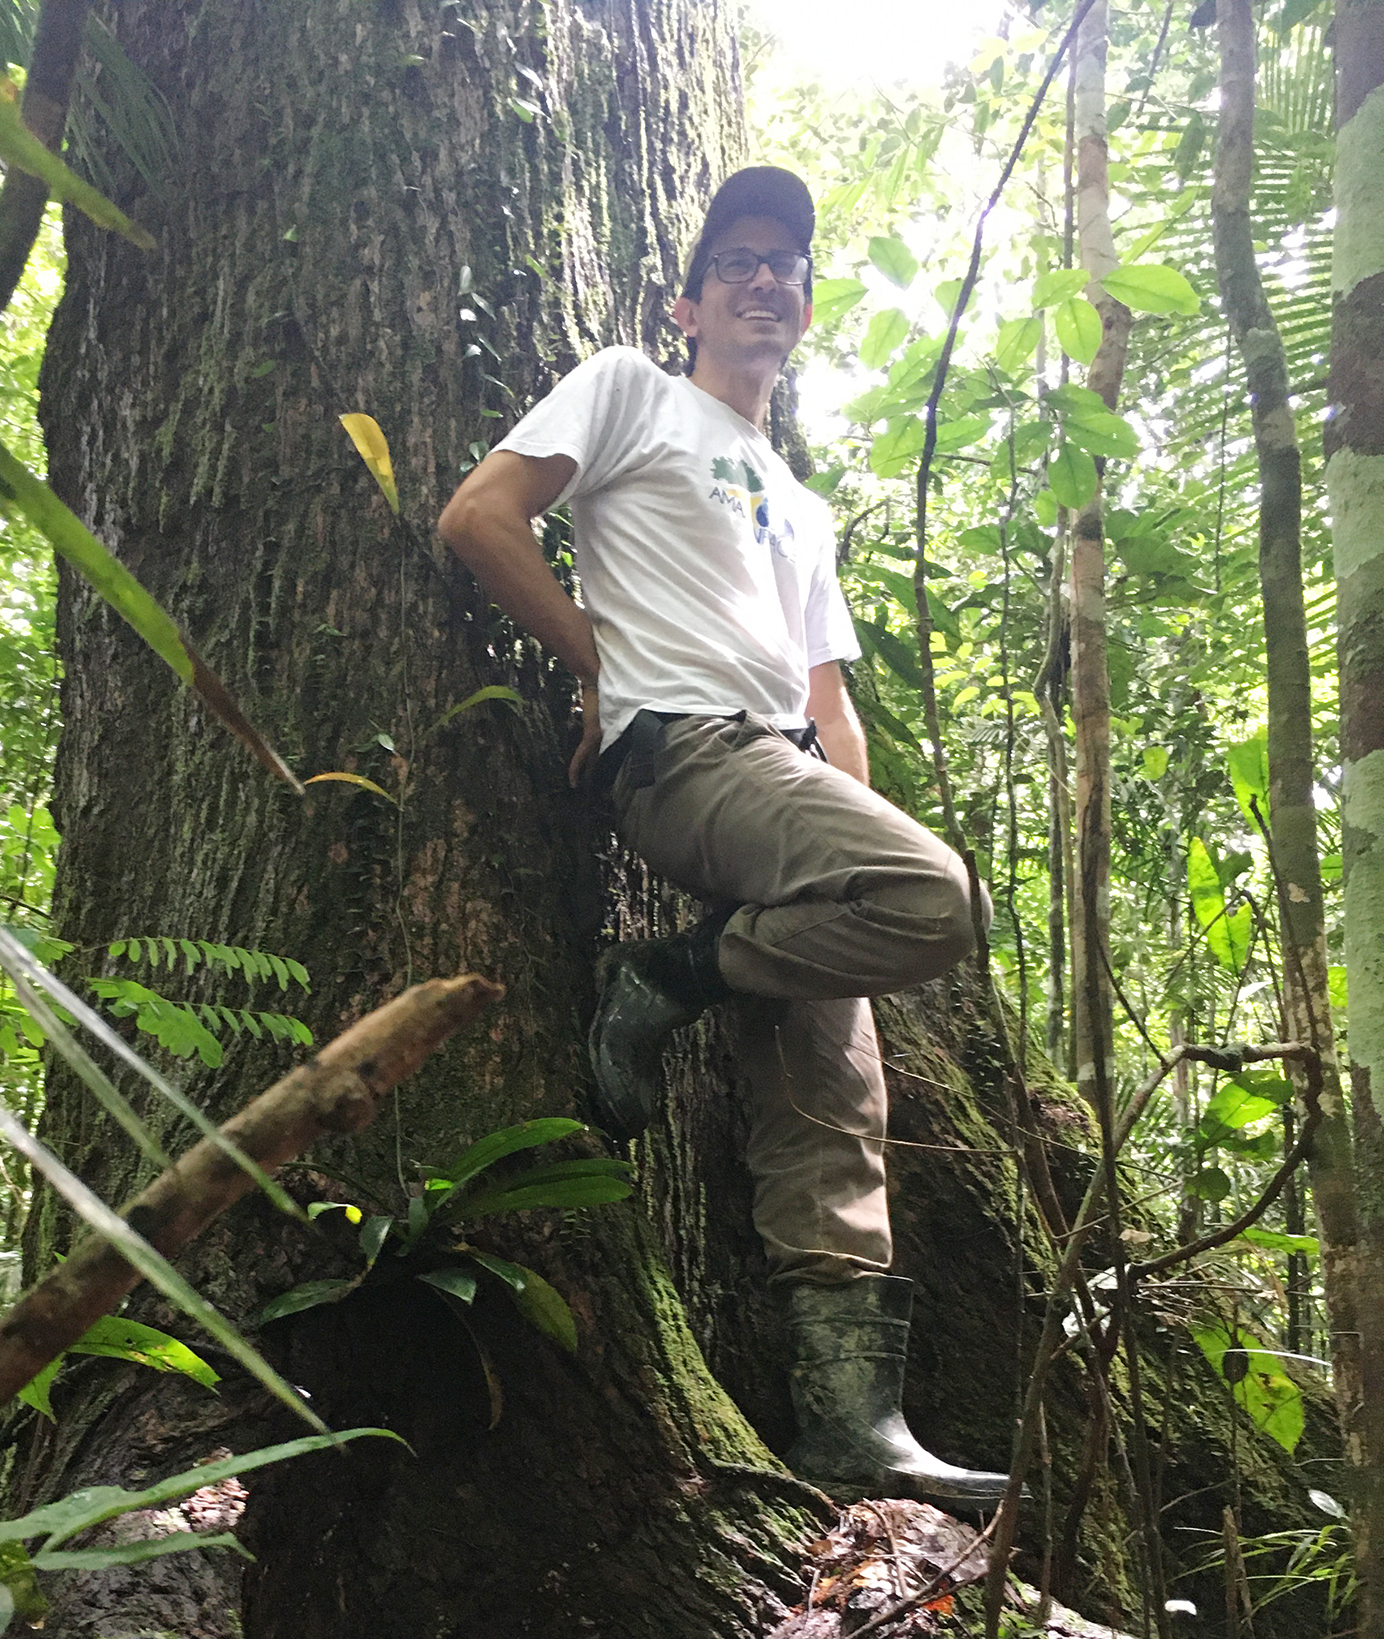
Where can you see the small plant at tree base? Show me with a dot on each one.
(462, 1195)
(58, 1522)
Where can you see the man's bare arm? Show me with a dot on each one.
(486, 523)
(838, 727)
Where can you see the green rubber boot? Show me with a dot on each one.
(648, 989)
(850, 1345)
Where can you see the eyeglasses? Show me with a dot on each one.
(738, 267)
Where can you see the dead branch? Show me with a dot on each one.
(338, 1091)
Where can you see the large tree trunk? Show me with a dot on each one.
(342, 165)
(1354, 445)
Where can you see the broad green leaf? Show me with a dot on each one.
(138, 1553)
(19, 1595)
(353, 779)
(1077, 401)
(1249, 774)
(373, 1234)
(900, 657)
(514, 1275)
(564, 1193)
(547, 1309)
(893, 258)
(899, 587)
(894, 449)
(123, 1339)
(1234, 1107)
(1018, 341)
(373, 448)
(21, 492)
(1045, 505)
(887, 331)
(946, 294)
(832, 299)
(1103, 434)
(1267, 1084)
(1204, 883)
(457, 1283)
(492, 691)
(1155, 762)
(1210, 1184)
(307, 1296)
(1050, 289)
(57, 1521)
(507, 1141)
(21, 148)
(961, 433)
(36, 1392)
(1079, 329)
(1337, 986)
(1151, 287)
(1272, 1241)
(1260, 1385)
(1072, 475)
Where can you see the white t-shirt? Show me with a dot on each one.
(708, 571)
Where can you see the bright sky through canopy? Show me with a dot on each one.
(871, 40)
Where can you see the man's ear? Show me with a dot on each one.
(685, 315)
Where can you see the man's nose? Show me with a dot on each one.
(763, 279)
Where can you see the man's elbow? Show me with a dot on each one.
(466, 523)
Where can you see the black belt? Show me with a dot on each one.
(639, 742)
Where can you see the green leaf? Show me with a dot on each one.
(1258, 1381)
(899, 655)
(887, 331)
(137, 1553)
(945, 295)
(1018, 341)
(1272, 1241)
(1072, 474)
(1234, 1107)
(565, 1194)
(961, 433)
(1045, 505)
(1103, 434)
(1211, 1184)
(122, 1339)
(93, 1506)
(1151, 287)
(1155, 762)
(547, 1309)
(457, 1283)
(894, 449)
(1079, 329)
(1204, 883)
(832, 299)
(21, 492)
(1249, 774)
(893, 258)
(22, 149)
(513, 1274)
(507, 1141)
(492, 691)
(1337, 986)
(1060, 285)
(307, 1296)
(36, 1391)
(19, 1595)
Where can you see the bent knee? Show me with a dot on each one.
(935, 920)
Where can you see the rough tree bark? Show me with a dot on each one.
(1354, 444)
(1293, 811)
(354, 225)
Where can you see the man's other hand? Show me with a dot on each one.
(583, 764)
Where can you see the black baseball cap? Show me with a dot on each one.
(759, 190)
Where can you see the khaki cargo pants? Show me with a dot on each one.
(841, 896)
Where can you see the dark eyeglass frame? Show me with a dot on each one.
(799, 259)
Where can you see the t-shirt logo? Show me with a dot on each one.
(737, 485)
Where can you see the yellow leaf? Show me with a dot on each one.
(353, 779)
(374, 451)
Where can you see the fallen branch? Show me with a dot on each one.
(338, 1091)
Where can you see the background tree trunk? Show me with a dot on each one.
(343, 167)
(1354, 446)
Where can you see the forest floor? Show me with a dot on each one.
(900, 1569)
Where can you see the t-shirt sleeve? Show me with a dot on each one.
(594, 415)
(828, 626)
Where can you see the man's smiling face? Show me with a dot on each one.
(760, 320)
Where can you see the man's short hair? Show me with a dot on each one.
(759, 190)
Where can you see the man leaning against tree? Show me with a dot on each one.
(715, 715)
